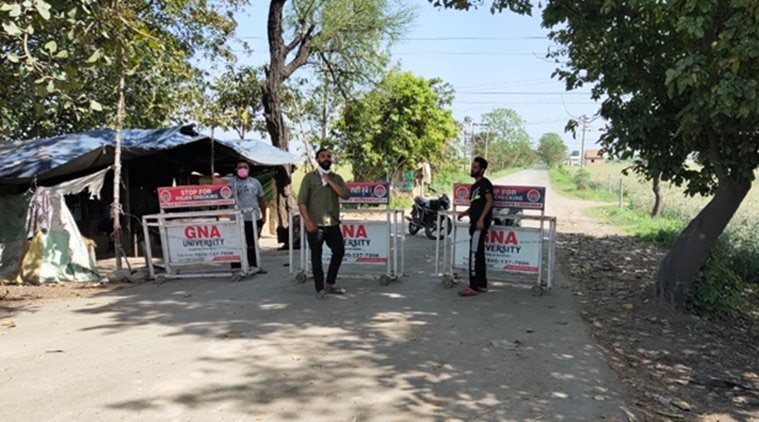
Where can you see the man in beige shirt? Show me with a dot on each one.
(319, 204)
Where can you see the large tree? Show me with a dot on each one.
(678, 78)
(504, 141)
(234, 100)
(62, 61)
(552, 149)
(341, 36)
(394, 127)
(82, 55)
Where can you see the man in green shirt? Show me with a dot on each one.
(318, 201)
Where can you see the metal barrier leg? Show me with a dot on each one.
(290, 240)
(403, 243)
(256, 250)
(437, 246)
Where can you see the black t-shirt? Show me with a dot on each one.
(477, 201)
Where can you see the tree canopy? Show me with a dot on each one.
(552, 149)
(678, 79)
(504, 140)
(62, 60)
(394, 127)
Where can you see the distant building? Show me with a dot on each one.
(574, 159)
(593, 156)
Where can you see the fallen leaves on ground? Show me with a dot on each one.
(675, 365)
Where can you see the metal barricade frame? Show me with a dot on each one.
(166, 221)
(394, 265)
(547, 238)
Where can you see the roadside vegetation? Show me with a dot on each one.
(728, 285)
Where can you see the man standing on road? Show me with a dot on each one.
(318, 201)
(480, 214)
(250, 198)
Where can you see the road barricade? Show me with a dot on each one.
(199, 243)
(516, 242)
(373, 237)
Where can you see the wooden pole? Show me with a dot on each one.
(116, 206)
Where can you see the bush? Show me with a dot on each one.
(718, 290)
(401, 200)
(582, 179)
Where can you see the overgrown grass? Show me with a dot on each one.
(581, 187)
(662, 231)
(732, 270)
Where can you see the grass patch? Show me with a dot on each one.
(662, 231)
(569, 183)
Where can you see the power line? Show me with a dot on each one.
(521, 93)
(531, 37)
(462, 53)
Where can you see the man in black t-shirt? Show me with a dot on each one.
(480, 214)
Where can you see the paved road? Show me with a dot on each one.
(266, 350)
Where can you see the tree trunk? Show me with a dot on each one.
(656, 211)
(272, 102)
(116, 205)
(275, 125)
(678, 269)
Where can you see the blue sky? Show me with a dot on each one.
(491, 60)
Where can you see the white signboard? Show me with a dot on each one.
(365, 243)
(507, 248)
(205, 242)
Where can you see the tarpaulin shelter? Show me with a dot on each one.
(151, 158)
(39, 238)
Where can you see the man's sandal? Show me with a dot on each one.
(467, 292)
(334, 290)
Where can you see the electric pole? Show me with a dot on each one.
(584, 120)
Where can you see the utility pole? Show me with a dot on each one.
(584, 120)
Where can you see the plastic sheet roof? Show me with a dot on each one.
(71, 153)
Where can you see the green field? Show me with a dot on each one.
(735, 258)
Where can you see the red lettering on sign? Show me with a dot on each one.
(200, 232)
(502, 238)
(352, 231)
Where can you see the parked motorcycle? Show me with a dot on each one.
(424, 215)
(505, 217)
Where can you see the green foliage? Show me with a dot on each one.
(234, 101)
(401, 200)
(504, 141)
(443, 182)
(718, 290)
(64, 60)
(518, 6)
(661, 231)
(581, 179)
(394, 127)
(552, 149)
(562, 180)
(679, 78)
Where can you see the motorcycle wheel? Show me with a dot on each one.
(433, 233)
(413, 228)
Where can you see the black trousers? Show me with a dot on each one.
(477, 266)
(333, 236)
(250, 242)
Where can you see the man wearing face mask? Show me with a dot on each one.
(250, 199)
(480, 214)
(318, 201)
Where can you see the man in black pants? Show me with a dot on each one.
(480, 214)
(318, 201)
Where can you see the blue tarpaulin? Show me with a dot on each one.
(21, 162)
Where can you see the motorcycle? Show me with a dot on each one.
(505, 217)
(424, 215)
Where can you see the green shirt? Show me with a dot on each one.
(321, 200)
